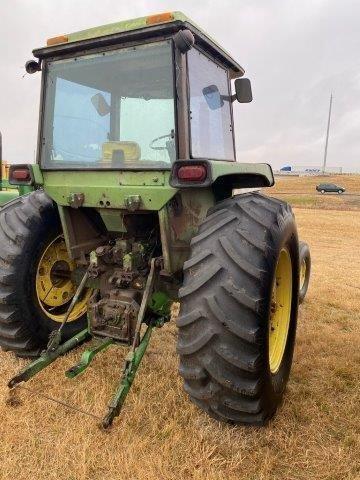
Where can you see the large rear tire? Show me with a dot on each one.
(33, 298)
(238, 313)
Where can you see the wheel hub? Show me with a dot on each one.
(302, 273)
(54, 286)
(280, 310)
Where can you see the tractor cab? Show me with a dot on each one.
(139, 94)
(130, 114)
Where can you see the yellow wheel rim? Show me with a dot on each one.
(302, 273)
(54, 287)
(280, 310)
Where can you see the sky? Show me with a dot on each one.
(295, 53)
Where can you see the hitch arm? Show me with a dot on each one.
(87, 357)
(48, 357)
(132, 363)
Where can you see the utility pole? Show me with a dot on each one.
(327, 136)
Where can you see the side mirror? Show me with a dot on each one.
(243, 93)
(213, 97)
(32, 66)
(100, 104)
(184, 40)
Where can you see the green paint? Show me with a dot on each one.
(61, 211)
(113, 220)
(5, 185)
(114, 28)
(132, 363)
(160, 304)
(131, 25)
(10, 192)
(7, 195)
(37, 174)
(24, 189)
(46, 358)
(128, 261)
(110, 189)
(138, 24)
(87, 357)
(220, 169)
(179, 225)
(165, 237)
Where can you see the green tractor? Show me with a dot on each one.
(133, 208)
(9, 192)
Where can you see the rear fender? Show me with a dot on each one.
(224, 177)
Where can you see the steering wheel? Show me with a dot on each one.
(165, 147)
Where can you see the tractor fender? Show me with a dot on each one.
(224, 176)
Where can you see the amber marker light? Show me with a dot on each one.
(159, 18)
(55, 40)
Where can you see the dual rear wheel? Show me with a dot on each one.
(36, 284)
(54, 286)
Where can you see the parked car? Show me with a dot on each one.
(329, 187)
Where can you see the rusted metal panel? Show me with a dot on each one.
(179, 221)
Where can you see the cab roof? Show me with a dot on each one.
(136, 29)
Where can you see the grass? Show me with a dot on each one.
(161, 435)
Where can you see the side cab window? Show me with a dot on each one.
(210, 109)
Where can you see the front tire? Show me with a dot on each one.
(232, 365)
(33, 298)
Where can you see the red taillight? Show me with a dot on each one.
(192, 173)
(20, 174)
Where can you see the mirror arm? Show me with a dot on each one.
(228, 98)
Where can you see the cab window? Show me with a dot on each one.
(210, 109)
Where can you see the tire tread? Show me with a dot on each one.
(221, 358)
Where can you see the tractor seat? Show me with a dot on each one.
(120, 152)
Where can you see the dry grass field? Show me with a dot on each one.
(160, 435)
(300, 192)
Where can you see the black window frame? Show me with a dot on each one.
(221, 65)
(94, 51)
